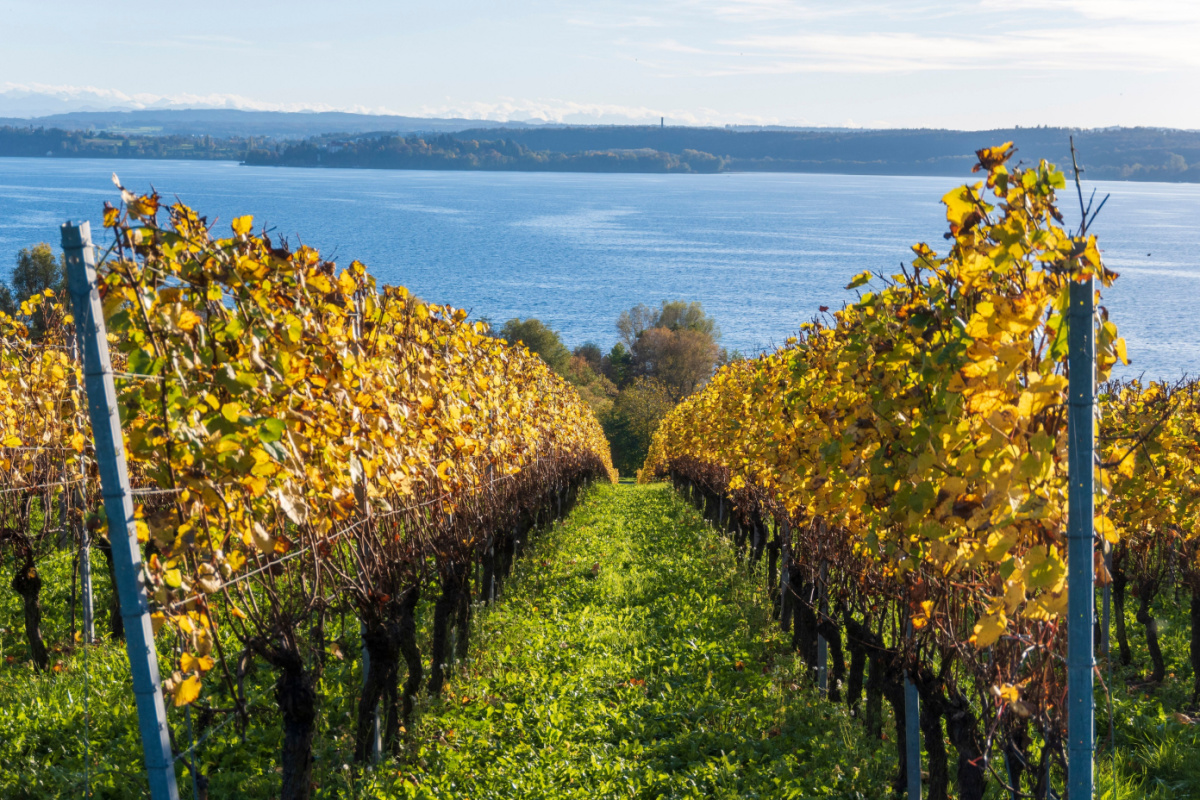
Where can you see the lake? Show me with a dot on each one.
(760, 251)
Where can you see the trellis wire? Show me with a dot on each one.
(349, 529)
(41, 486)
(40, 448)
(208, 735)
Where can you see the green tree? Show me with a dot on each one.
(581, 369)
(617, 366)
(674, 315)
(37, 269)
(678, 315)
(539, 339)
(727, 357)
(631, 323)
(635, 416)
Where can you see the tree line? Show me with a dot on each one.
(453, 153)
(663, 355)
(1153, 154)
(55, 142)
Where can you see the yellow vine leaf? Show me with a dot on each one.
(988, 630)
(242, 225)
(1044, 568)
(187, 691)
(1105, 527)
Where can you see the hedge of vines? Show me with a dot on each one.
(903, 461)
(301, 441)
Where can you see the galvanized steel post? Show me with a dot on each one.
(118, 506)
(912, 732)
(1081, 432)
(376, 736)
(85, 575)
(822, 645)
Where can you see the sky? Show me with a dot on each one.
(967, 64)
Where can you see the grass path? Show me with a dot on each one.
(632, 658)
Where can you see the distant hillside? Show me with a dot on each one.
(1115, 154)
(1111, 154)
(232, 123)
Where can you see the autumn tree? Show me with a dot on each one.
(675, 344)
(682, 360)
(591, 353)
(36, 270)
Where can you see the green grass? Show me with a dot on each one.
(625, 683)
(660, 676)
(1157, 754)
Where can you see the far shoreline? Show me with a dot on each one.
(966, 177)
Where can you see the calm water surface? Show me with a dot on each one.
(761, 251)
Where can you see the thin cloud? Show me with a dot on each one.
(792, 36)
(554, 110)
(791, 10)
(42, 98)
(214, 39)
(672, 46)
(1108, 48)
(631, 22)
(1139, 11)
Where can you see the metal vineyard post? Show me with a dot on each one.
(912, 730)
(118, 506)
(1081, 435)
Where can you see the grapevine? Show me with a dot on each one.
(911, 449)
(300, 441)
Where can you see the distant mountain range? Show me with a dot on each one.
(235, 123)
(338, 139)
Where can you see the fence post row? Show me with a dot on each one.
(85, 573)
(912, 729)
(118, 506)
(822, 645)
(80, 532)
(376, 735)
(1081, 597)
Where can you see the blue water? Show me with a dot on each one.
(760, 251)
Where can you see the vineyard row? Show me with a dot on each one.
(904, 462)
(300, 443)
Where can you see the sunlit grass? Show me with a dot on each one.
(645, 679)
